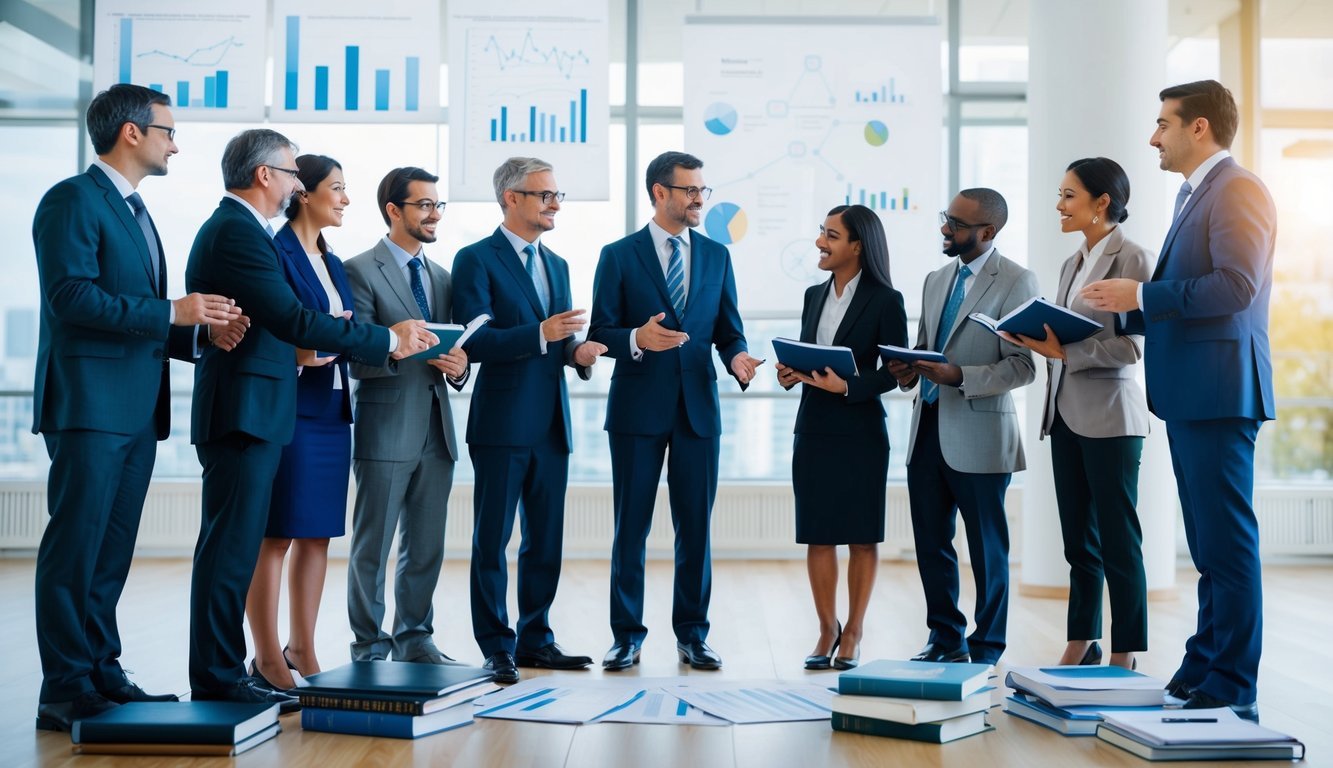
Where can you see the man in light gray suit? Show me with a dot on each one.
(404, 448)
(965, 441)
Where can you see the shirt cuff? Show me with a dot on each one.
(635, 353)
(393, 341)
(171, 315)
(1138, 295)
(541, 339)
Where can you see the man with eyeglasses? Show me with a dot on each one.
(662, 298)
(964, 441)
(404, 448)
(245, 403)
(518, 429)
(102, 396)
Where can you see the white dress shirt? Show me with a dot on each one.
(835, 309)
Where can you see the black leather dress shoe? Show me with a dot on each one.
(1201, 700)
(1178, 689)
(1092, 656)
(60, 715)
(248, 691)
(128, 691)
(940, 653)
(502, 667)
(698, 655)
(552, 656)
(621, 656)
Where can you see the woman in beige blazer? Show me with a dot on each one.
(1096, 416)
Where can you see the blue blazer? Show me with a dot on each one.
(252, 389)
(630, 288)
(313, 385)
(1205, 312)
(105, 324)
(518, 390)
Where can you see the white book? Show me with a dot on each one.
(911, 711)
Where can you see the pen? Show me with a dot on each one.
(1189, 719)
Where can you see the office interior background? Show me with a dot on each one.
(1276, 55)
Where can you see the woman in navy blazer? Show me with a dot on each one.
(309, 503)
(840, 459)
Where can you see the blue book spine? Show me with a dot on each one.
(367, 723)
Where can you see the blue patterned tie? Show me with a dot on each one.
(930, 391)
(418, 288)
(675, 278)
(1181, 197)
(543, 292)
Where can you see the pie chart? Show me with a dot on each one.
(876, 133)
(720, 118)
(725, 223)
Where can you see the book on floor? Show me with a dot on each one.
(1031, 315)
(1196, 734)
(1088, 686)
(176, 722)
(1071, 721)
(941, 732)
(911, 711)
(384, 724)
(806, 357)
(394, 679)
(394, 704)
(188, 750)
(914, 679)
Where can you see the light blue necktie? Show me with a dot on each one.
(675, 278)
(1181, 197)
(419, 288)
(930, 391)
(543, 292)
(146, 224)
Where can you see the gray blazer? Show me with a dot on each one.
(1095, 388)
(978, 424)
(392, 408)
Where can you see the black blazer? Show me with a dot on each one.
(875, 316)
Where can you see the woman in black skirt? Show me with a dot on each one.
(840, 460)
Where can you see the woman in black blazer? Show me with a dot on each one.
(840, 459)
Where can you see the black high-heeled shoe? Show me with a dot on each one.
(254, 672)
(825, 661)
(848, 662)
(287, 659)
(1092, 656)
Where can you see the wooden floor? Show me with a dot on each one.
(762, 626)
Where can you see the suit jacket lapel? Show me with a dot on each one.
(287, 240)
(652, 267)
(122, 211)
(1188, 210)
(859, 301)
(393, 275)
(810, 326)
(555, 281)
(504, 251)
(340, 282)
(440, 310)
(981, 282)
(697, 269)
(1102, 266)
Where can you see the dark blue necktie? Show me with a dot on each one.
(930, 391)
(676, 278)
(146, 224)
(418, 289)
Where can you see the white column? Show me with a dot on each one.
(1094, 74)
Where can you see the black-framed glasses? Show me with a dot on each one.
(171, 132)
(425, 206)
(955, 224)
(546, 195)
(693, 193)
(295, 173)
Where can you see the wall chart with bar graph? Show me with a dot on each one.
(210, 62)
(528, 78)
(792, 118)
(344, 61)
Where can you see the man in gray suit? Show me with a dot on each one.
(404, 449)
(965, 441)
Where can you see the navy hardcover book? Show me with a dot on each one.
(914, 679)
(394, 678)
(889, 352)
(176, 722)
(1030, 316)
(806, 357)
(385, 725)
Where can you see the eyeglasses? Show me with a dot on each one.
(171, 132)
(954, 224)
(693, 193)
(293, 172)
(546, 195)
(425, 206)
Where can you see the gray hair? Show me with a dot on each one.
(247, 151)
(513, 171)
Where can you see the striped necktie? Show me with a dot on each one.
(675, 278)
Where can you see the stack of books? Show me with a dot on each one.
(392, 699)
(1072, 699)
(1196, 734)
(206, 728)
(918, 700)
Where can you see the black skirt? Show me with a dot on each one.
(839, 482)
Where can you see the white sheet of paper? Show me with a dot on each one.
(745, 703)
(656, 707)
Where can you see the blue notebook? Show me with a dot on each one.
(1030, 316)
(889, 352)
(806, 357)
(176, 722)
(384, 724)
(450, 335)
(914, 679)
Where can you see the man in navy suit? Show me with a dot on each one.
(1204, 316)
(661, 298)
(518, 430)
(102, 398)
(245, 402)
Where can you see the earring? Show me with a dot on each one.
(1096, 219)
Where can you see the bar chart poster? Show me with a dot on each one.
(347, 61)
(528, 79)
(792, 118)
(210, 62)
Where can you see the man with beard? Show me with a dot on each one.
(662, 297)
(404, 448)
(965, 441)
(245, 402)
(518, 430)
